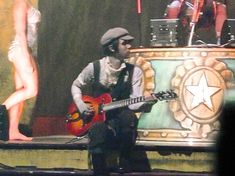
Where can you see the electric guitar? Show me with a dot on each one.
(78, 124)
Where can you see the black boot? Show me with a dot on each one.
(4, 133)
(99, 165)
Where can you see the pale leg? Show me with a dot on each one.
(26, 80)
(15, 113)
(220, 18)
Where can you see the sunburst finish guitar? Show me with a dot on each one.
(78, 124)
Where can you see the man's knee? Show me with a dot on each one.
(128, 120)
(97, 134)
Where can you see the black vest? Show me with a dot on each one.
(121, 90)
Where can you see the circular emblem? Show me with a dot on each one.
(200, 84)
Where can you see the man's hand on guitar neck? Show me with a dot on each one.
(147, 106)
(155, 97)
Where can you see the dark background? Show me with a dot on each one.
(69, 38)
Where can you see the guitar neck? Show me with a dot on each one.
(168, 95)
(125, 102)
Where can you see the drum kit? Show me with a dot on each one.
(168, 32)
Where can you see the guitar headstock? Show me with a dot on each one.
(165, 95)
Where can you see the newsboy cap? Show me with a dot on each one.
(115, 33)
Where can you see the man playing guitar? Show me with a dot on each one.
(121, 80)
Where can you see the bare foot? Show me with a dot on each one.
(19, 136)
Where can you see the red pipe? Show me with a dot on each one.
(139, 6)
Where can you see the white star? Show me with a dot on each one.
(202, 93)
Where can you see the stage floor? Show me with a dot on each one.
(68, 155)
(73, 142)
(48, 142)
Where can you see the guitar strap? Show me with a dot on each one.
(96, 71)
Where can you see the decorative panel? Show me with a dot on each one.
(203, 79)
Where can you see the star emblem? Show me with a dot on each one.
(202, 93)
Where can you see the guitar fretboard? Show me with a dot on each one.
(125, 102)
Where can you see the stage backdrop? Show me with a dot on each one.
(68, 39)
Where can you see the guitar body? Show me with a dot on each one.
(78, 124)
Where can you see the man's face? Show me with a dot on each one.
(123, 49)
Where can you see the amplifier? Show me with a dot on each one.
(164, 32)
